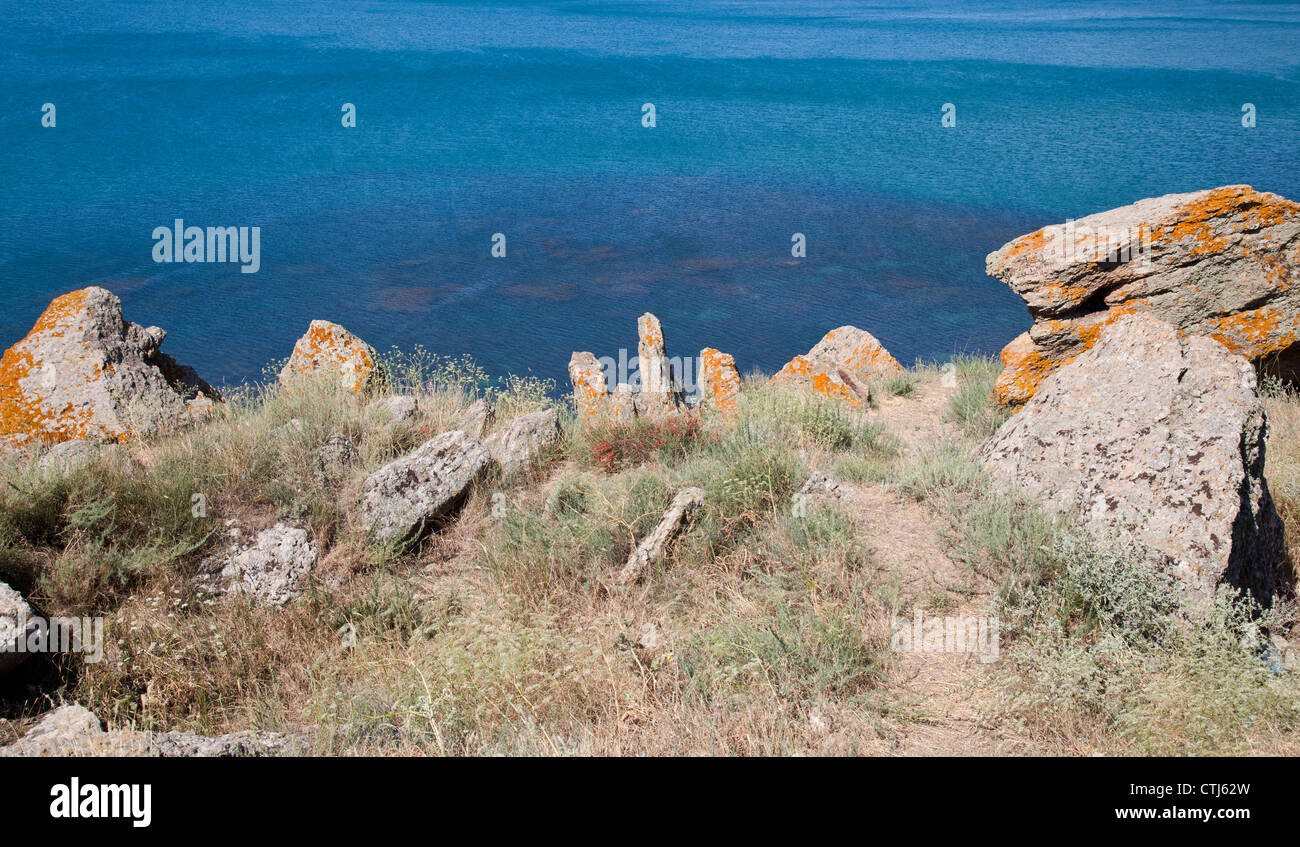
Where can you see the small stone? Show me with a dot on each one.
(401, 408)
(478, 418)
(334, 460)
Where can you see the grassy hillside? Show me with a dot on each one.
(766, 632)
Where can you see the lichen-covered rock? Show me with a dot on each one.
(838, 366)
(274, 569)
(85, 373)
(590, 391)
(335, 457)
(1223, 263)
(329, 352)
(14, 614)
(405, 497)
(622, 403)
(74, 731)
(478, 418)
(655, 371)
(400, 408)
(719, 381)
(1154, 437)
(521, 441)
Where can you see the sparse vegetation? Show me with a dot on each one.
(765, 632)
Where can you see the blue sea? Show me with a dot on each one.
(772, 118)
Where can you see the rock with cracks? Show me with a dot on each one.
(655, 545)
(1154, 437)
(1224, 263)
(83, 372)
(403, 499)
(521, 441)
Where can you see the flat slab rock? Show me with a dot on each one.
(1157, 437)
(74, 731)
(403, 498)
(274, 567)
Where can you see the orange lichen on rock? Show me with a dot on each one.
(846, 348)
(1026, 243)
(719, 381)
(1219, 262)
(328, 351)
(1023, 367)
(590, 391)
(653, 367)
(83, 372)
(1254, 334)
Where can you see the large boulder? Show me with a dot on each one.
(405, 497)
(83, 372)
(14, 617)
(1157, 437)
(840, 366)
(522, 441)
(329, 354)
(1223, 263)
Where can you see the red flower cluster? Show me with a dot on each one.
(618, 445)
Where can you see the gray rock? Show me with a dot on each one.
(523, 440)
(402, 499)
(14, 614)
(66, 731)
(74, 731)
(66, 457)
(336, 456)
(1158, 438)
(235, 744)
(819, 482)
(274, 569)
(401, 408)
(655, 546)
(478, 418)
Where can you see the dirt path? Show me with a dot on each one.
(935, 690)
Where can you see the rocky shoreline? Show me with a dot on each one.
(1133, 402)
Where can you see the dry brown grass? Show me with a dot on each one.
(503, 633)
